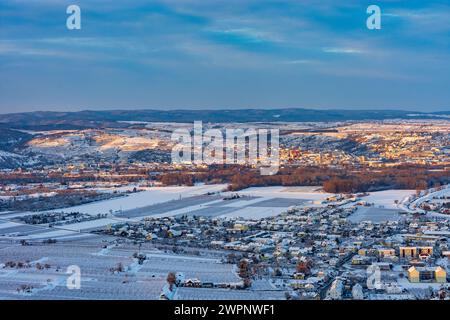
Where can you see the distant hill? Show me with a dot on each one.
(89, 119)
(12, 139)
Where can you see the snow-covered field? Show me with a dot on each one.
(271, 201)
(254, 203)
(6, 224)
(89, 224)
(257, 202)
(136, 281)
(151, 196)
(386, 206)
(386, 199)
(430, 195)
(374, 214)
(172, 201)
(305, 193)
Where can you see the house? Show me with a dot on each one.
(413, 252)
(383, 252)
(240, 227)
(195, 283)
(427, 274)
(361, 260)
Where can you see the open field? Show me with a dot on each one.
(374, 214)
(154, 195)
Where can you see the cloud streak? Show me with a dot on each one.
(172, 52)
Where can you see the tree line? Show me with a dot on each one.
(333, 180)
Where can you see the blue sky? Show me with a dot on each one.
(206, 54)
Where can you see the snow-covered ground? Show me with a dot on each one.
(254, 203)
(386, 199)
(89, 224)
(374, 214)
(257, 202)
(97, 281)
(386, 206)
(272, 201)
(157, 202)
(7, 224)
(411, 203)
(404, 283)
(148, 197)
(305, 193)
(431, 194)
(381, 199)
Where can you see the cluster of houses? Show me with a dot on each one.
(58, 218)
(440, 205)
(317, 252)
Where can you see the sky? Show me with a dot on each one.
(217, 54)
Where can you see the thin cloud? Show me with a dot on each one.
(343, 50)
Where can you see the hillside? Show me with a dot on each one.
(95, 119)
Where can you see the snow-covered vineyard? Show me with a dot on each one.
(110, 272)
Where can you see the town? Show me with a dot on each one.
(358, 210)
(260, 243)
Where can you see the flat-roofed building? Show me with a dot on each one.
(413, 252)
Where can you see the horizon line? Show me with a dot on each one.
(219, 109)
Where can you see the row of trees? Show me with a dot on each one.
(332, 180)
